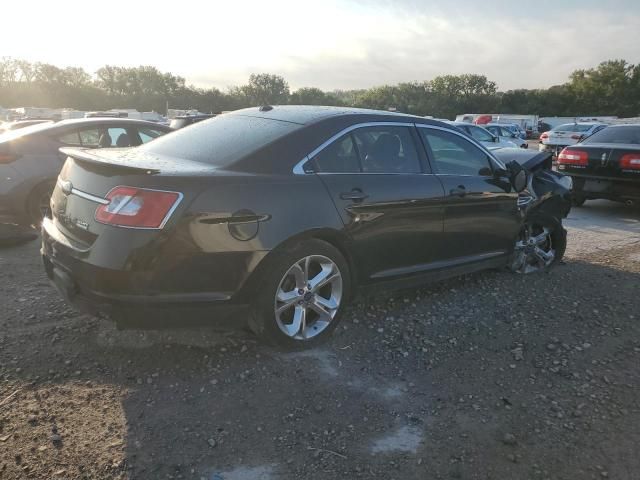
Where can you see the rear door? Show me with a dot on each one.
(390, 205)
(480, 211)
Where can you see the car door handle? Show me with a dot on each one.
(459, 191)
(355, 195)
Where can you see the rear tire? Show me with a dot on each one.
(300, 296)
(38, 202)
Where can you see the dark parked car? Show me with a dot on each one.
(605, 165)
(282, 212)
(185, 120)
(30, 159)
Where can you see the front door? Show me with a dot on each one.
(480, 209)
(391, 208)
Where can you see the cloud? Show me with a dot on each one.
(337, 43)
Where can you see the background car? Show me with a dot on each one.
(185, 120)
(30, 160)
(18, 124)
(281, 212)
(484, 136)
(507, 134)
(567, 134)
(605, 165)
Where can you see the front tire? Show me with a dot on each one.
(301, 295)
(540, 245)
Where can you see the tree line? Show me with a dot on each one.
(611, 88)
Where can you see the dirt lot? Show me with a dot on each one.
(489, 376)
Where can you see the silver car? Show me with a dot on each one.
(507, 134)
(484, 136)
(30, 159)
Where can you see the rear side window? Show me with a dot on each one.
(454, 155)
(628, 134)
(387, 149)
(221, 140)
(378, 149)
(339, 157)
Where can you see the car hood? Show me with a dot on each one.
(529, 159)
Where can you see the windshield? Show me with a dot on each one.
(628, 134)
(21, 132)
(221, 140)
(572, 127)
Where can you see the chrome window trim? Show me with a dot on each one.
(298, 169)
(469, 139)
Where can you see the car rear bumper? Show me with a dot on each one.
(74, 279)
(606, 188)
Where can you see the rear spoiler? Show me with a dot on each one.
(96, 157)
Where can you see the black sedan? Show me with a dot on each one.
(605, 165)
(30, 159)
(281, 212)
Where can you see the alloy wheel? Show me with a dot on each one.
(534, 250)
(308, 297)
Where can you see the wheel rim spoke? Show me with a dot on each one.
(302, 312)
(541, 238)
(321, 278)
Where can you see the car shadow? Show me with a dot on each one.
(407, 380)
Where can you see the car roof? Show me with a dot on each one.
(307, 114)
(105, 120)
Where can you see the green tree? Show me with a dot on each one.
(266, 89)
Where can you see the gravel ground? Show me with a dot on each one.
(488, 376)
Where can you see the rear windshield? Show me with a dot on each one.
(572, 127)
(628, 134)
(221, 140)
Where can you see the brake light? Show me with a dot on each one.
(137, 207)
(630, 161)
(573, 157)
(544, 136)
(6, 158)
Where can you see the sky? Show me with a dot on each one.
(330, 44)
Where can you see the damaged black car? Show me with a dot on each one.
(284, 212)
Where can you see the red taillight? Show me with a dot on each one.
(573, 157)
(544, 136)
(630, 161)
(7, 158)
(137, 207)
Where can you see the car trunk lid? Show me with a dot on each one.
(87, 177)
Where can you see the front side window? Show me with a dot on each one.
(480, 134)
(387, 149)
(454, 155)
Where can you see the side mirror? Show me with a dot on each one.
(517, 176)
